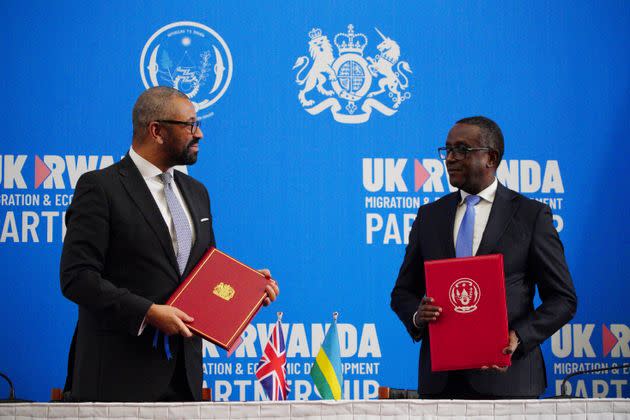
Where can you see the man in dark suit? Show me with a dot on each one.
(134, 231)
(484, 217)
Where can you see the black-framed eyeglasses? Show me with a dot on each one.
(194, 125)
(459, 152)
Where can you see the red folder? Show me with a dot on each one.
(472, 329)
(222, 295)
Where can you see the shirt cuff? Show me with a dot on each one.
(413, 320)
(142, 326)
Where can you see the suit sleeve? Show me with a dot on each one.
(84, 255)
(212, 242)
(410, 287)
(548, 269)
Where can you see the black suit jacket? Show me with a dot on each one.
(117, 260)
(522, 230)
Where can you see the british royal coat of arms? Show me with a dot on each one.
(351, 85)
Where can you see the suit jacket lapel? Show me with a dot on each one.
(139, 192)
(501, 213)
(187, 194)
(448, 222)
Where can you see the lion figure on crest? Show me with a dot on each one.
(322, 55)
(384, 65)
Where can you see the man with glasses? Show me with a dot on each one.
(484, 217)
(134, 232)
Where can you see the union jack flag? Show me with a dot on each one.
(271, 370)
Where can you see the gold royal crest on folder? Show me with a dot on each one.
(224, 291)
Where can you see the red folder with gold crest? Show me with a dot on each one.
(222, 295)
(472, 329)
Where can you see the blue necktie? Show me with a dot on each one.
(183, 234)
(464, 244)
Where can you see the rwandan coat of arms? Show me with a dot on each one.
(351, 85)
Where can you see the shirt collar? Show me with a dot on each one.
(488, 194)
(146, 168)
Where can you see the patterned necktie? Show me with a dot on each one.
(464, 244)
(183, 234)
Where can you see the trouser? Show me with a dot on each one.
(178, 389)
(458, 388)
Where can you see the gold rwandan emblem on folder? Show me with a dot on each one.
(224, 291)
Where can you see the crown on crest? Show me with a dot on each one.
(315, 33)
(350, 42)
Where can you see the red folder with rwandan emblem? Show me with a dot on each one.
(472, 329)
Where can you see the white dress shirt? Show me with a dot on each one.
(151, 175)
(482, 213)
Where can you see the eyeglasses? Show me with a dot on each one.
(194, 125)
(459, 152)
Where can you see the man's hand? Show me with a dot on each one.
(169, 320)
(272, 289)
(427, 311)
(510, 349)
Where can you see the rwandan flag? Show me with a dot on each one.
(326, 372)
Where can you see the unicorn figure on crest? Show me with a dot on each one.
(384, 64)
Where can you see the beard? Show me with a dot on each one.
(188, 156)
(184, 156)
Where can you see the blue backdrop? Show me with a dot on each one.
(322, 193)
